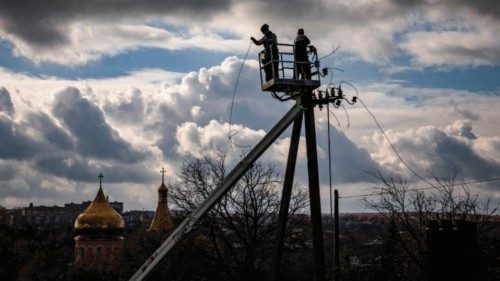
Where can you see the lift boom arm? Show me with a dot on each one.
(228, 182)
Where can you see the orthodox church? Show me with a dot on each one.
(99, 229)
(162, 220)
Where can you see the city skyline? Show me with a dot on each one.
(124, 89)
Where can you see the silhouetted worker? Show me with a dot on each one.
(270, 42)
(302, 65)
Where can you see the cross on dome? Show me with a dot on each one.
(163, 174)
(100, 176)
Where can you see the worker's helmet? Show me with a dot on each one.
(300, 31)
(264, 28)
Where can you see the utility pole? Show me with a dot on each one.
(300, 90)
(314, 196)
(336, 255)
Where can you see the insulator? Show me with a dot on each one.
(320, 94)
(333, 92)
(354, 99)
(340, 92)
(337, 102)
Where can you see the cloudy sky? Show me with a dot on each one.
(125, 87)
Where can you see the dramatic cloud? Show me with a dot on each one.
(86, 122)
(6, 102)
(129, 109)
(44, 23)
(14, 142)
(76, 168)
(65, 132)
(432, 33)
(42, 122)
(454, 47)
(350, 163)
(430, 149)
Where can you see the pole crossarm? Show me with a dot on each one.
(238, 171)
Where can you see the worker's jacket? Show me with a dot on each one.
(301, 42)
(270, 42)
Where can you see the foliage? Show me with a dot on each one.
(409, 211)
(240, 228)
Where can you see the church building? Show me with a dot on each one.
(99, 231)
(162, 220)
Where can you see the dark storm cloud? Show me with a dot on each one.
(445, 152)
(167, 143)
(50, 131)
(290, 8)
(76, 168)
(6, 102)
(483, 7)
(7, 172)
(86, 122)
(456, 153)
(14, 142)
(345, 151)
(42, 22)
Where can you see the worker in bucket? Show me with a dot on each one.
(302, 68)
(270, 42)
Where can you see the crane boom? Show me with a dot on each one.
(228, 182)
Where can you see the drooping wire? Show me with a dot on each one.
(378, 193)
(345, 82)
(333, 52)
(392, 145)
(347, 114)
(431, 186)
(338, 122)
(231, 132)
(385, 135)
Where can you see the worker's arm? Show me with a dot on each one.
(258, 42)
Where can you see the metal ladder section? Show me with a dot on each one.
(295, 112)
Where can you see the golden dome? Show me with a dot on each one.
(162, 219)
(99, 216)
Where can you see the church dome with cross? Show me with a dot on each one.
(99, 216)
(99, 230)
(162, 220)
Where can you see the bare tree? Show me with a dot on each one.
(409, 210)
(241, 226)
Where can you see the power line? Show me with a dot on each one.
(431, 186)
(333, 52)
(392, 145)
(378, 193)
(232, 133)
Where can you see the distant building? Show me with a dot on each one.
(162, 220)
(136, 217)
(99, 231)
(50, 216)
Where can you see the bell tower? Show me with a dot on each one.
(162, 220)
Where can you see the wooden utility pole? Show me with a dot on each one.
(336, 233)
